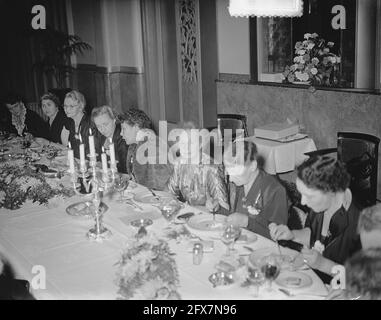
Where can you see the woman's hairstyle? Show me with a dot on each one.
(136, 117)
(363, 274)
(77, 97)
(12, 98)
(98, 111)
(52, 97)
(370, 219)
(324, 173)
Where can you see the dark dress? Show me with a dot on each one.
(152, 175)
(83, 130)
(55, 129)
(34, 125)
(343, 239)
(121, 148)
(274, 203)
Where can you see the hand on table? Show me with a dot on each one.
(280, 232)
(313, 258)
(238, 219)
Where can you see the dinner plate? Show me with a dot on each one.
(84, 209)
(149, 198)
(293, 279)
(205, 222)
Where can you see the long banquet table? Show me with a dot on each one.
(77, 268)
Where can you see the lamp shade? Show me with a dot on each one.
(266, 8)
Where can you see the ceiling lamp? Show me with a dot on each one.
(266, 8)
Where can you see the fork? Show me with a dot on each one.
(154, 194)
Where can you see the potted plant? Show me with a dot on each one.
(56, 48)
(314, 63)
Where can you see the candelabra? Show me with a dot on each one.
(99, 183)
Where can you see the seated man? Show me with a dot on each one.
(256, 198)
(136, 127)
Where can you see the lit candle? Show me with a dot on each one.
(91, 144)
(112, 154)
(82, 158)
(104, 160)
(70, 155)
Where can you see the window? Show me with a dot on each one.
(350, 25)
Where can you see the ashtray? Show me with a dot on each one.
(221, 278)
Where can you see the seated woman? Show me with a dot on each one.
(195, 179)
(363, 275)
(23, 120)
(57, 118)
(251, 185)
(79, 124)
(136, 126)
(330, 228)
(108, 128)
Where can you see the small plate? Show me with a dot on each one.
(204, 222)
(84, 209)
(293, 279)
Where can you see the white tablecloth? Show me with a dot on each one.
(77, 268)
(283, 157)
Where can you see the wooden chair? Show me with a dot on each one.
(359, 151)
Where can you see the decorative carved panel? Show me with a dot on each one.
(187, 14)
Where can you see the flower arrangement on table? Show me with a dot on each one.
(148, 271)
(19, 183)
(314, 62)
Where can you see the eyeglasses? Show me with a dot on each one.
(71, 106)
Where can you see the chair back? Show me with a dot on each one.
(359, 152)
(232, 121)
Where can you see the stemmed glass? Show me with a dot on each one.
(270, 268)
(230, 234)
(120, 184)
(255, 276)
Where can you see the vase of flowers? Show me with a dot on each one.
(147, 271)
(314, 63)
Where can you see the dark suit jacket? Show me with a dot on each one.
(274, 203)
(121, 148)
(84, 128)
(58, 124)
(343, 240)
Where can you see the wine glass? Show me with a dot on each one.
(270, 268)
(255, 276)
(230, 234)
(120, 184)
